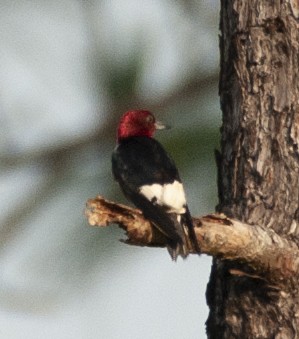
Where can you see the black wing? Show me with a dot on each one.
(140, 161)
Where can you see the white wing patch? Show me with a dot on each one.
(171, 196)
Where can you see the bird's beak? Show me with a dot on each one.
(160, 125)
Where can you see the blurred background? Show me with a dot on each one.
(68, 70)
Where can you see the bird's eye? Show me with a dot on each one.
(150, 119)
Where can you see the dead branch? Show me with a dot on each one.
(270, 255)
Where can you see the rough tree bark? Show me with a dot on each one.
(274, 259)
(259, 160)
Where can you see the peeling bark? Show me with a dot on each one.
(259, 159)
(270, 257)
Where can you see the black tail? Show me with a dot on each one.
(187, 220)
(176, 248)
(187, 237)
(168, 224)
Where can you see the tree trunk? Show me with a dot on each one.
(259, 160)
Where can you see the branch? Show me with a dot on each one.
(269, 255)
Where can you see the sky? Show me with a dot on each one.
(61, 278)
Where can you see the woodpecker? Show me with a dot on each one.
(149, 178)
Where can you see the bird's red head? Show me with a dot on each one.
(137, 123)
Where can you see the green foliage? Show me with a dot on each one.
(121, 79)
(193, 145)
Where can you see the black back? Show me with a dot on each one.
(139, 161)
(143, 161)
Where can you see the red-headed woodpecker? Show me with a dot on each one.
(150, 179)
